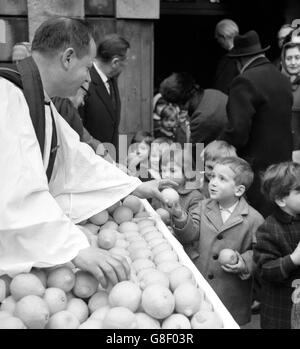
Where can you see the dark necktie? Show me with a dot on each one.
(112, 93)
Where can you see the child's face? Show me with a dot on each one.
(222, 186)
(208, 167)
(169, 123)
(292, 203)
(172, 172)
(182, 116)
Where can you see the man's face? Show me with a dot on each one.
(78, 71)
(225, 42)
(118, 64)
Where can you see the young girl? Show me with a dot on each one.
(138, 155)
(169, 117)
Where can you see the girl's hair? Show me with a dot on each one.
(280, 179)
(169, 111)
(141, 136)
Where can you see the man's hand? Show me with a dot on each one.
(103, 265)
(238, 268)
(151, 189)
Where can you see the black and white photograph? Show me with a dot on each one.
(149, 167)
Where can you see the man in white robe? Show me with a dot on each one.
(38, 219)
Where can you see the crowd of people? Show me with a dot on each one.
(248, 199)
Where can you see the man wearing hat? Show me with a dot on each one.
(259, 112)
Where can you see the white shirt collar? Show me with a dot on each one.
(229, 209)
(100, 72)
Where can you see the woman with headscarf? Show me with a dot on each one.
(290, 59)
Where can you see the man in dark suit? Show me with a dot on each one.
(259, 112)
(226, 69)
(102, 108)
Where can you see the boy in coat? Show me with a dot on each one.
(277, 251)
(224, 221)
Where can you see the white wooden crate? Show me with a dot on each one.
(211, 296)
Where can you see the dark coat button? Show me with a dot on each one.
(210, 276)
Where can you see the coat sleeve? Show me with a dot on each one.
(190, 230)
(34, 231)
(271, 265)
(241, 108)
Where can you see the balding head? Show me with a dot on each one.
(225, 32)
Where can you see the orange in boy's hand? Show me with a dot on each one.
(227, 256)
(170, 196)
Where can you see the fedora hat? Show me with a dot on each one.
(247, 45)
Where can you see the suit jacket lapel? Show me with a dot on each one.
(236, 216)
(213, 215)
(102, 92)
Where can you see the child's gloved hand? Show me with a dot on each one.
(238, 268)
(175, 210)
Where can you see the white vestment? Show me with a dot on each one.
(37, 219)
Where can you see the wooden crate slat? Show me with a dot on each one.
(13, 7)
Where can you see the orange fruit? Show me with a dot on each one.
(145, 321)
(146, 223)
(158, 301)
(62, 277)
(93, 228)
(64, 320)
(170, 195)
(142, 214)
(164, 215)
(142, 263)
(107, 238)
(154, 277)
(177, 322)
(133, 202)
(227, 256)
(128, 226)
(85, 284)
(144, 253)
(188, 299)
(79, 308)
(98, 300)
(122, 214)
(110, 225)
(26, 284)
(166, 256)
(180, 275)
(33, 311)
(99, 218)
(152, 235)
(113, 207)
(56, 300)
(168, 267)
(161, 247)
(125, 294)
(205, 319)
(119, 318)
